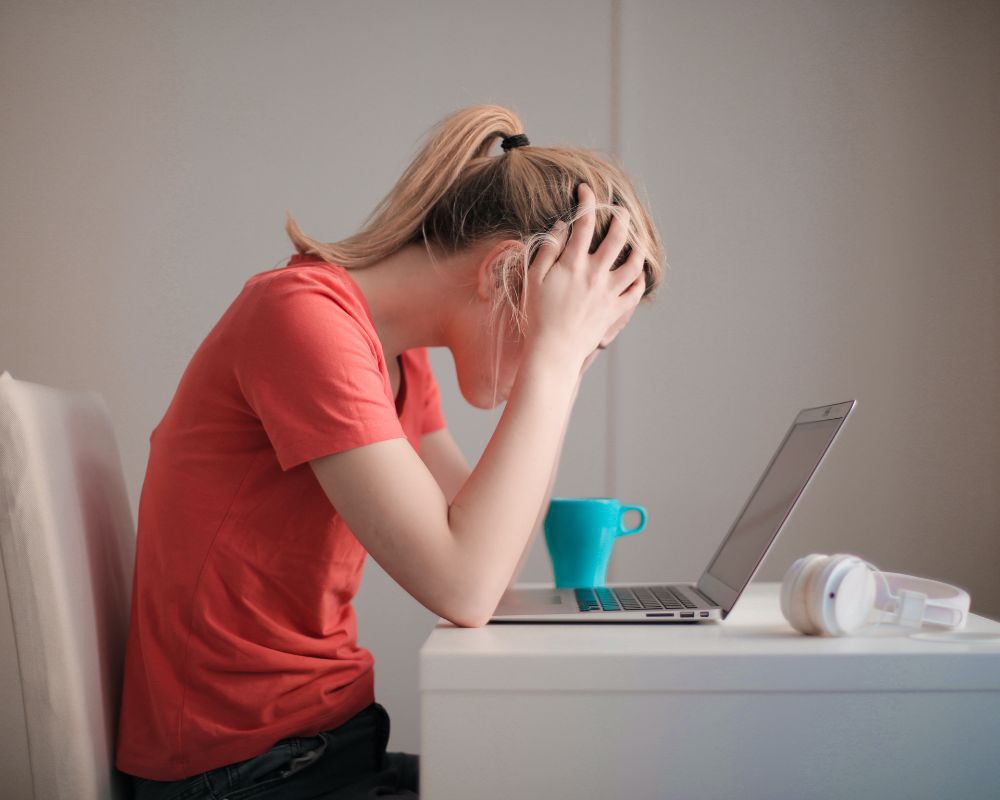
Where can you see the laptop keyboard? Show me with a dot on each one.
(637, 598)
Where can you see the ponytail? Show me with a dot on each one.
(398, 219)
(455, 194)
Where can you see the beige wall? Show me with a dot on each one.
(825, 176)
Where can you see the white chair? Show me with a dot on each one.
(67, 544)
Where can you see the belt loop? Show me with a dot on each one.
(382, 730)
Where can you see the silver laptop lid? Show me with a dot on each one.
(771, 502)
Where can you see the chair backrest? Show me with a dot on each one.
(67, 545)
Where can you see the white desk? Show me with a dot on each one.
(746, 708)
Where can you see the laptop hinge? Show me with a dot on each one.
(704, 596)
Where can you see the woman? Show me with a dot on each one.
(307, 432)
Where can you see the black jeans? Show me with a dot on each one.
(346, 763)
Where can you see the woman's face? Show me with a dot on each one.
(476, 348)
(486, 360)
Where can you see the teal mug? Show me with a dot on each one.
(580, 533)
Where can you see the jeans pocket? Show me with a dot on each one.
(316, 746)
(257, 775)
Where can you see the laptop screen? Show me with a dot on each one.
(772, 501)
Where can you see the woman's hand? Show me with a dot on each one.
(609, 337)
(575, 302)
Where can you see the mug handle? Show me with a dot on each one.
(622, 530)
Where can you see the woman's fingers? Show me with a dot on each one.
(578, 246)
(614, 240)
(623, 277)
(548, 252)
(633, 294)
(577, 300)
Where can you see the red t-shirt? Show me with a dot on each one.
(242, 630)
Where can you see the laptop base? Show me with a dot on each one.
(564, 605)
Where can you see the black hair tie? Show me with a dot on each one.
(517, 140)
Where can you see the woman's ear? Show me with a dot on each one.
(486, 271)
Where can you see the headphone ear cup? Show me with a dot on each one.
(822, 593)
(813, 590)
(793, 602)
(853, 599)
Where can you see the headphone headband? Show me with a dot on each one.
(916, 600)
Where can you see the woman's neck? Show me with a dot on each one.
(412, 298)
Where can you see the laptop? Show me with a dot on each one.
(732, 567)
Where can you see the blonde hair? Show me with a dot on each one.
(455, 194)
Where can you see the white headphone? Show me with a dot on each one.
(838, 594)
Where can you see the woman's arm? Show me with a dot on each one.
(539, 522)
(456, 559)
(612, 333)
(441, 454)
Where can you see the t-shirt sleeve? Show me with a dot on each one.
(310, 372)
(433, 415)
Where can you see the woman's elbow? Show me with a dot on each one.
(468, 622)
(465, 597)
(471, 613)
